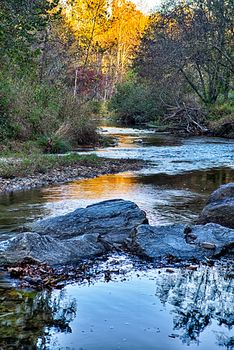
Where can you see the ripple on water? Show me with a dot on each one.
(172, 155)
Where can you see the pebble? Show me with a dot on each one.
(207, 245)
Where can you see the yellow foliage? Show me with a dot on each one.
(86, 18)
(110, 31)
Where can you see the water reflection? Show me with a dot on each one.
(200, 181)
(18, 207)
(165, 198)
(153, 310)
(26, 317)
(199, 298)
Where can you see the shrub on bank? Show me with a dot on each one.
(223, 127)
(31, 111)
(53, 144)
(134, 103)
(78, 124)
(221, 118)
(28, 108)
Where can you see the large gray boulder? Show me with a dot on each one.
(220, 207)
(99, 228)
(82, 234)
(182, 242)
(112, 219)
(50, 250)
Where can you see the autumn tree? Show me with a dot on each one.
(126, 25)
(106, 33)
(87, 20)
(190, 44)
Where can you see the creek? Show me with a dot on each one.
(149, 309)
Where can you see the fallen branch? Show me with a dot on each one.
(190, 118)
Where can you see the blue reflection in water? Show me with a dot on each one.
(154, 310)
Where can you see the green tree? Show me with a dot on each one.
(21, 23)
(134, 102)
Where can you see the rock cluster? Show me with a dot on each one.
(82, 234)
(122, 225)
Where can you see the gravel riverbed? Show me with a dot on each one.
(65, 174)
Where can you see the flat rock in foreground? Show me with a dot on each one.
(81, 234)
(49, 249)
(220, 207)
(182, 242)
(112, 219)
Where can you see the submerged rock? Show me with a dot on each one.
(156, 242)
(112, 219)
(220, 207)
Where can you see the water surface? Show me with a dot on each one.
(147, 310)
(173, 187)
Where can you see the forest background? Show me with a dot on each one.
(65, 65)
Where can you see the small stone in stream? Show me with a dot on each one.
(187, 230)
(107, 276)
(173, 336)
(188, 235)
(191, 267)
(209, 262)
(28, 260)
(33, 280)
(207, 245)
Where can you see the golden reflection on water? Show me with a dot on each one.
(106, 186)
(126, 140)
(165, 198)
(129, 184)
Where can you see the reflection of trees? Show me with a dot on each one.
(198, 298)
(16, 208)
(26, 317)
(199, 181)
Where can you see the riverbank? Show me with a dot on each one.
(218, 128)
(42, 170)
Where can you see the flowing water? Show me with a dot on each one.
(153, 309)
